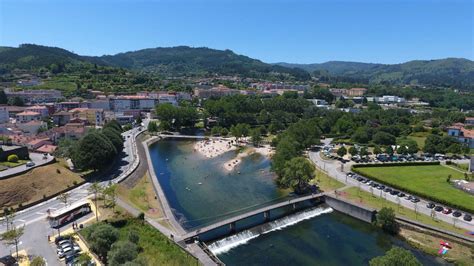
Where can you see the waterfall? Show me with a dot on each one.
(230, 242)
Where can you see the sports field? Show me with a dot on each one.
(427, 181)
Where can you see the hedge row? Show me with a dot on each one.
(394, 164)
(408, 190)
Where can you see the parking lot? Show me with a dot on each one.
(388, 191)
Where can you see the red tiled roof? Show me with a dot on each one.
(28, 113)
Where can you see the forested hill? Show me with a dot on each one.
(451, 72)
(174, 61)
(187, 60)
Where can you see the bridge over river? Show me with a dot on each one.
(231, 221)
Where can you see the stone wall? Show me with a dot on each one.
(351, 209)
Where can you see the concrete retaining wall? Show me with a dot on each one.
(360, 212)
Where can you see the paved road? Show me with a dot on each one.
(36, 158)
(34, 218)
(333, 168)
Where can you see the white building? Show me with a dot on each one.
(319, 103)
(35, 96)
(132, 102)
(4, 114)
(387, 99)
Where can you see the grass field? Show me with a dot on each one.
(325, 182)
(155, 248)
(428, 181)
(33, 185)
(142, 196)
(420, 138)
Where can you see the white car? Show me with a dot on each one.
(63, 252)
(30, 164)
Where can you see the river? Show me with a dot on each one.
(201, 192)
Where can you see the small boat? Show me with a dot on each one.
(199, 183)
(238, 172)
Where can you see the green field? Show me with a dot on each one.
(428, 181)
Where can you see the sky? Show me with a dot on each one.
(296, 31)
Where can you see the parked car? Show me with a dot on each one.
(430, 205)
(438, 208)
(467, 217)
(415, 200)
(64, 252)
(30, 164)
(447, 211)
(457, 214)
(401, 194)
(387, 189)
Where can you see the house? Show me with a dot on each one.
(61, 118)
(92, 116)
(462, 134)
(338, 92)
(4, 115)
(27, 116)
(42, 110)
(469, 121)
(47, 148)
(31, 127)
(356, 92)
(36, 143)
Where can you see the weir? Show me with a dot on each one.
(231, 222)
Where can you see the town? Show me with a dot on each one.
(236, 133)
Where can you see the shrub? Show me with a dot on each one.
(12, 158)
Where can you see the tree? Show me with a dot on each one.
(402, 149)
(256, 136)
(386, 220)
(122, 252)
(389, 150)
(383, 138)
(342, 151)
(377, 150)
(93, 151)
(240, 130)
(16, 101)
(364, 151)
(12, 237)
(12, 158)
(115, 138)
(64, 198)
(139, 120)
(38, 261)
(101, 239)
(3, 97)
(361, 135)
(114, 125)
(8, 217)
(396, 256)
(95, 189)
(297, 174)
(152, 126)
(353, 151)
(83, 259)
(110, 191)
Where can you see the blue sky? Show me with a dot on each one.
(299, 31)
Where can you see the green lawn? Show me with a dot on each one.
(156, 249)
(325, 182)
(428, 181)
